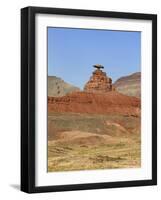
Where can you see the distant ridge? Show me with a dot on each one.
(129, 85)
(58, 87)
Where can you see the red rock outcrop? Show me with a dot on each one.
(99, 83)
(98, 97)
(85, 102)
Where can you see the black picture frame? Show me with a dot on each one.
(28, 99)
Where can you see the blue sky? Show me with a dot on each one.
(73, 52)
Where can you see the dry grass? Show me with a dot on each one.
(82, 141)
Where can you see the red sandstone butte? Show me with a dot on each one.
(98, 97)
(99, 83)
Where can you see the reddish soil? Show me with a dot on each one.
(84, 102)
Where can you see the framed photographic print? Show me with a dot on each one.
(88, 99)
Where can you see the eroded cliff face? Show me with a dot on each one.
(99, 83)
(85, 102)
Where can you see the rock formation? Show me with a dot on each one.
(98, 97)
(58, 87)
(129, 85)
(99, 82)
(84, 102)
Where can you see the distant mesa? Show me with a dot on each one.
(99, 82)
(129, 85)
(58, 87)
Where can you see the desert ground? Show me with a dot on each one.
(93, 141)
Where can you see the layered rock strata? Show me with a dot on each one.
(99, 83)
(84, 102)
